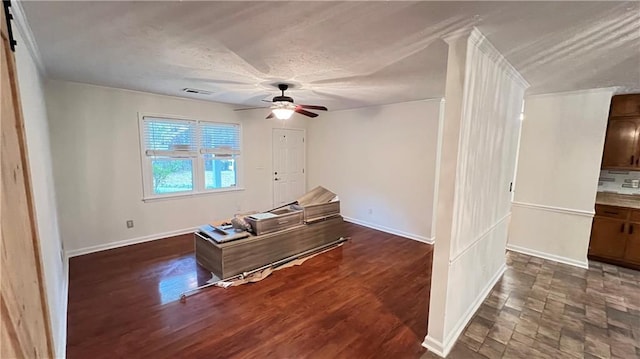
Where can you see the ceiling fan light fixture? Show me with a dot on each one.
(283, 110)
(283, 107)
(282, 113)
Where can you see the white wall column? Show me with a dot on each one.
(446, 192)
(483, 99)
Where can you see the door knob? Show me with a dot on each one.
(276, 179)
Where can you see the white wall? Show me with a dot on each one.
(380, 159)
(96, 156)
(37, 133)
(557, 177)
(483, 97)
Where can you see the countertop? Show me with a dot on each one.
(619, 200)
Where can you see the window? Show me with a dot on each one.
(188, 157)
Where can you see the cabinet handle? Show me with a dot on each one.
(632, 159)
(631, 229)
(637, 161)
(622, 228)
(609, 212)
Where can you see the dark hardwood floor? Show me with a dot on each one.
(368, 298)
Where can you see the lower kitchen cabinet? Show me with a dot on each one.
(608, 238)
(615, 236)
(632, 252)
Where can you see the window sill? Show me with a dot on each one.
(187, 195)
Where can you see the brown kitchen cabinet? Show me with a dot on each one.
(615, 236)
(625, 105)
(622, 141)
(632, 250)
(608, 238)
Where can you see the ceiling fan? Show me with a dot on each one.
(283, 107)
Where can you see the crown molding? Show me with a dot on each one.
(608, 90)
(20, 20)
(456, 34)
(477, 39)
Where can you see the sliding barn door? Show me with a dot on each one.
(24, 327)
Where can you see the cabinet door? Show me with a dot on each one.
(620, 146)
(608, 238)
(632, 251)
(625, 105)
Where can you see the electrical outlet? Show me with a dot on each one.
(130, 223)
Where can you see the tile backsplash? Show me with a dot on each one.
(618, 181)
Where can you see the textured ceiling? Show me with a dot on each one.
(338, 54)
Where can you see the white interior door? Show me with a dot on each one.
(288, 175)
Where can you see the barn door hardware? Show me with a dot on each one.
(8, 17)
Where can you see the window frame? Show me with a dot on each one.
(198, 161)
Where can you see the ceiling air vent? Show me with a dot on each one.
(196, 91)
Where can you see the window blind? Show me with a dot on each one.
(219, 138)
(169, 137)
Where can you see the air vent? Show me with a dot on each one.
(196, 91)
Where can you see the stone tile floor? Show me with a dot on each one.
(544, 309)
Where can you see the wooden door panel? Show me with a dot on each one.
(9, 345)
(608, 238)
(288, 165)
(632, 250)
(280, 175)
(295, 163)
(25, 326)
(625, 105)
(620, 148)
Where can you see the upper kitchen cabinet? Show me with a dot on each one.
(622, 142)
(625, 105)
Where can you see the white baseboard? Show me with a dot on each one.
(552, 257)
(127, 242)
(397, 232)
(434, 346)
(442, 349)
(61, 352)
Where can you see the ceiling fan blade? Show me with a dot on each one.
(270, 115)
(313, 107)
(248, 108)
(269, 101)
(305, 112)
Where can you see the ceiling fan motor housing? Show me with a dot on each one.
(282, 99)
